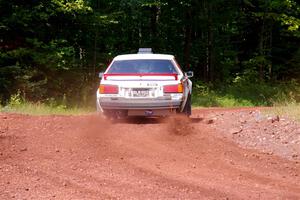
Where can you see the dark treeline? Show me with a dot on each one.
(55, 48)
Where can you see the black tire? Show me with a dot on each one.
(115, 114)
(187, 110)
(108, 114)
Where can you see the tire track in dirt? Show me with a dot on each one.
(85, 157)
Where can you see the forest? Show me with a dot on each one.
(51, 51)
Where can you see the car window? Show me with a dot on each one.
(142, 67)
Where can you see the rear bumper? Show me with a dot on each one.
(138, 104)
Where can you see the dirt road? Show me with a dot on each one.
(218, 154)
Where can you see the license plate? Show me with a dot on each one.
(140, 92)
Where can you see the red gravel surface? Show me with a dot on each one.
(218, 154)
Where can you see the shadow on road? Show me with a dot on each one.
(156, 120)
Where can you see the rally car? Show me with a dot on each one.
(144, 84)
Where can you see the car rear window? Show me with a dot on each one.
(142, 67)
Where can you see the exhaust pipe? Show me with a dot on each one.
(149, 113)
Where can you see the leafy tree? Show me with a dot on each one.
(47, 47)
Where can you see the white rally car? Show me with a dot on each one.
(144, 84)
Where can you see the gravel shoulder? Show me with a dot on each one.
(218, 154)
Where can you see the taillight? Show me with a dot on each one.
(173, 88)
(108, 89)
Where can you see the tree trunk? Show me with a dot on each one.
(153, 22)
(95, 50)
(270, 53)
(187, 43)
(261, 51)
(262, 45)
(210, 49)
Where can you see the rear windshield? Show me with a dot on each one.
(142, 67)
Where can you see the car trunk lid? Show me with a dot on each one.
(141, 77)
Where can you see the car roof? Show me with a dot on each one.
(144, 56)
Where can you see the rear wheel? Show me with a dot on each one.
(115, 114)
(108, 114)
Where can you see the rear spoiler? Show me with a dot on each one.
(140, 75)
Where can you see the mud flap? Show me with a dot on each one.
(187, 109)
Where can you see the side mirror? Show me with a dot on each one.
(189, 74)
(101, 74)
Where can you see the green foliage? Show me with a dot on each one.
(246, 93)
(77, 6)
(54, 49)
(44, 109)
(16, 100)
(17, 104)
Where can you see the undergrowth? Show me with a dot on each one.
(290, 110)
(17, 104)
(245, 94)
(284, 97)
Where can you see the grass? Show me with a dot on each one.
(291, 110)
(43, 109)
(212, 99)
(245, 94)
(282, 96)
(17, 105)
